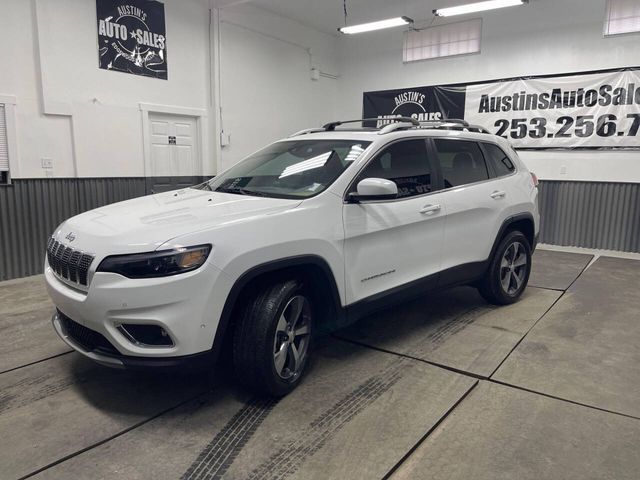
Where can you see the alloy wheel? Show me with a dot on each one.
(513, 268)
(291, 342)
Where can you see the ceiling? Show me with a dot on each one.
(328, 15)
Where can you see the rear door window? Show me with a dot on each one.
(461, 162)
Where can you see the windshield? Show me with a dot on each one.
(290, 169)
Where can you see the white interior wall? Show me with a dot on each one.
(266, 90)
(545, 37)
(88, 120)
(38, 136)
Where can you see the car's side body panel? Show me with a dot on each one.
(388, 244)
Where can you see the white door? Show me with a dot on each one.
(394, 242)
(174, 146)
(475, 204)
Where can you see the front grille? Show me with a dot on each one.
(68, 263)
(88, 339)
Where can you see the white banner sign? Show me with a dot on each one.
(592, 110)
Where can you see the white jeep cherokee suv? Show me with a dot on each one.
(308, 234)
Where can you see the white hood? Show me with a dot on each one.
(145, 223)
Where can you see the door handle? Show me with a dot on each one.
(429, 209)
(498, 194)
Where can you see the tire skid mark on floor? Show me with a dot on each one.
(448, 329)
(6, 400)
(33, 389)
(216, 458)
(442, 332)
(287, 460)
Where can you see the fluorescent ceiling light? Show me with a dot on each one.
(477, 7)
(368, 27)
(309, 164)
(354, 153)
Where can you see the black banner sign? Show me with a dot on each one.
(132, 37)
(585, 110)
(423, 103)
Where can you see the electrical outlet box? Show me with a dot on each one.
(563, 170)
(47, 163)
(225, 139)
(315, 73)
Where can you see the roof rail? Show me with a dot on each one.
(401, 123)
(306, 131)
(479, 128)
(330, 127)
(456, 120)
(392, 127)
(454, 124)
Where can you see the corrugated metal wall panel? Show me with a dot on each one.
(582, 214)
(95, 192)
(591, 215)
(31, 209)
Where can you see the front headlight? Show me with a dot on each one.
(156, 264)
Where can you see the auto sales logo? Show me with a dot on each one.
(410, 104)
(132, 37)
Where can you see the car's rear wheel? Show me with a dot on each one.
(272, 339)
(508, 273)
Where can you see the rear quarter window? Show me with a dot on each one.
(500, 161)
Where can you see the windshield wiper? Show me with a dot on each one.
(202, 186)
(242, 191)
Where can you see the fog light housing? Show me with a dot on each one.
(146, 335)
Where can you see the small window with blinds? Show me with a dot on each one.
(4, 146)
(461, 38)
(623, 16)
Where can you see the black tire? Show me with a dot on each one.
(255, 343)
(492, 286)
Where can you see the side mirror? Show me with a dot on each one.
(375, 189)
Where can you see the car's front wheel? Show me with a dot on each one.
(508, 273)
(272, 339)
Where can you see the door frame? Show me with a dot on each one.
(201, 116)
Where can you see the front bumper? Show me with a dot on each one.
(108, 356)
(187, 307)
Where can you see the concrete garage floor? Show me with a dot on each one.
(446, 387)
